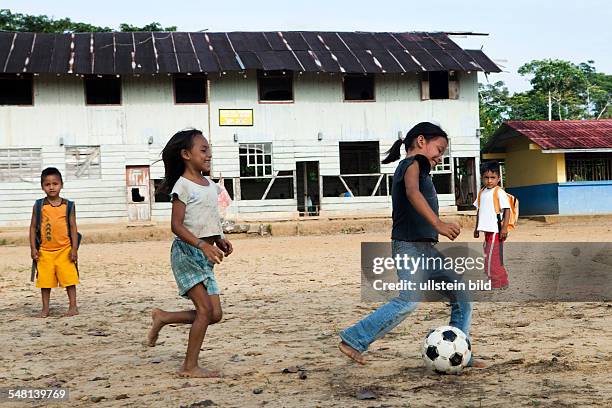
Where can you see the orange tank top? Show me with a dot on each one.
(53, 227)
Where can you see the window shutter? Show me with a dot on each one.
(453, 85)
(425, 86)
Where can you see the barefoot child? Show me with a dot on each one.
(416, 226)
(199, 243)
(491, 203)
(54, 242)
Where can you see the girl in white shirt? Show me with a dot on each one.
(199, 243)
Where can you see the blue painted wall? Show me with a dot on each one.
(541, 199)
(585, 197)
(571, 198)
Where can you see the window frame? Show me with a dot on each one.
(35, 170)
(452, 84)
(202, 76)
(262, 73)
(373, 76)
(30, 77)
(90, 77)
(71, 173)
(263, 145)
(351, 144)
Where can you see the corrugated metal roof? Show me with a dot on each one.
(565, 134)
(184, 52)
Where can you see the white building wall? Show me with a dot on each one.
(59, 113)
(293, 128)
(148, 111)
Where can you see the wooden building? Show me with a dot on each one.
(298, 121)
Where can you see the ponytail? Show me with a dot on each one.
(393, 153)
(426, 129)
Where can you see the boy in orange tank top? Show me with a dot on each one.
(54, 242)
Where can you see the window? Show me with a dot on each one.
(359, 158)
(189, 89)
(16, 90)
(255, 159)
(442, 175)
(440, 85)
(83, 162)
(588, 166)
(359, 172)
(20, 164)
(105, 90)
(279, 186)
(258, 180)
(275, 86)
(358, 87)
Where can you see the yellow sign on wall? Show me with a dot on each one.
(235, 117)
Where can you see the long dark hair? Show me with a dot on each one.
(426, 129)
(174, 166)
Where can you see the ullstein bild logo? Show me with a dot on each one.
(568, 271)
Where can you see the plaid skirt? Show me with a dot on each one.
(190, 267)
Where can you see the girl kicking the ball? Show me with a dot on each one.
(198, 246)
(416, 226)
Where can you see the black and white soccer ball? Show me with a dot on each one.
(446, 350)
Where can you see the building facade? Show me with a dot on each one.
(298, 122)
(558, 167)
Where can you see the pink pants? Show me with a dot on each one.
(494, 260)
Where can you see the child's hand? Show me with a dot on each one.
(448, 229)
(225, 246)
(504, 233)
(74, 255)
(476, 234)
(211, 252)
(34, 254)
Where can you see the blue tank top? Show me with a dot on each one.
(408, 224)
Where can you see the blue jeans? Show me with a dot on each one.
(386, 317)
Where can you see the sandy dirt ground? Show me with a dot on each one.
(284, 300)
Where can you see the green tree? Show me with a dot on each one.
(564, 82)
(494, 108)
(598, 91)
(529, 105)
(43, 24)
(149, 27)
(576, 92)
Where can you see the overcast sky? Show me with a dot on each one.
(519, 30)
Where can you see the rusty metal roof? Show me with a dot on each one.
(185, 52)
(565, 134)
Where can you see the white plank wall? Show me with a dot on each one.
(148, 111)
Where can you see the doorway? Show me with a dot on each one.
(307, 188)
(465, 183)
(138, 184)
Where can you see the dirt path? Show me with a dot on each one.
(284, 300)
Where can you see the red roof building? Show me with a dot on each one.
(566, 135)
(556, 167)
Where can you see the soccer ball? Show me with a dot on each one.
(446, 350)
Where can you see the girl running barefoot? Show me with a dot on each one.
(199, 243)
(416, 226)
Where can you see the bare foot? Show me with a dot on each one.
(44, 313)
(72, 311)
(198, 372)
(352, 353)
(157, 326)
(476, 363)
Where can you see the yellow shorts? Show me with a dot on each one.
(56, 267)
